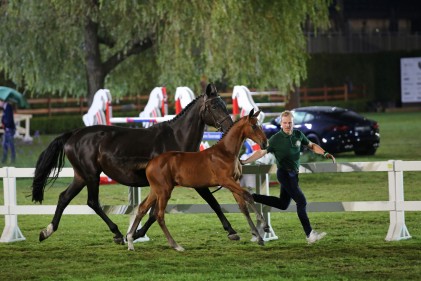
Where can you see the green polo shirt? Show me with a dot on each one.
(286, 149)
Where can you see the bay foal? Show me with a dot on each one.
(217, 165)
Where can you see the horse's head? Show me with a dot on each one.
(214, 112)
(254, 131)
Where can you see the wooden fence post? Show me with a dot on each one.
(305, 95)
(345, 92)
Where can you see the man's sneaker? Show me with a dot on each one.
(315, 236)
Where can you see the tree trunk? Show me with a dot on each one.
(94, 68)
(293, 99)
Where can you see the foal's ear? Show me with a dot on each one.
(251, 113)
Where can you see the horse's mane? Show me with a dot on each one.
(179, 115)
(187, 108)
(226, 132)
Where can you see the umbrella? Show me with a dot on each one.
(11, 95)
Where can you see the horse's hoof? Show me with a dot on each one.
(178, 248)
(42, 236)
(261, 242)
(47, 232)
(233, 237)
(119, 240)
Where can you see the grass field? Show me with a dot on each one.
(355, 249)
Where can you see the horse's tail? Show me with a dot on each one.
(52, 158)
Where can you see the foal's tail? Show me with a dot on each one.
(52, 158)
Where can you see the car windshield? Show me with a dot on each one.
(302, 117)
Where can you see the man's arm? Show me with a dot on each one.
(317, 149)
(256, 155)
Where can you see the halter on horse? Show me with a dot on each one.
(217, 165)
(122, 154)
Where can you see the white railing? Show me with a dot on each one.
(396, 205)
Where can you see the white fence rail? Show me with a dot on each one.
(396, 205)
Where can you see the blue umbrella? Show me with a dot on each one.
(11, 95)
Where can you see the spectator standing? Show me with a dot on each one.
(8, 124)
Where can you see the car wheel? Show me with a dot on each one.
(365, 151)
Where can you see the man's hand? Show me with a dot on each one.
(329, 156)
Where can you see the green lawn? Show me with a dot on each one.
(354, 249)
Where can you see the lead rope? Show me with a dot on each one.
(219, 188)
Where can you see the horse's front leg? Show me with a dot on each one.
(261, 222)
(93, 202)
(241, 197)
(207, 195)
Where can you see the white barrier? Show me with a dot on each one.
(396, 205)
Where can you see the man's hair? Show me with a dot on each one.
(287, 113)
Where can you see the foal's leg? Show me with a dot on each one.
(210, 199)
(259, 215)
(145, 227)
(141, 212)
(64, 199)
(162, 204)
(242, 204)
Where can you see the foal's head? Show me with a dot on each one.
(254, 131)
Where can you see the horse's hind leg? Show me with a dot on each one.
(93, 202)
(145, 227)
(162, 204)
(64, 199)
(149, 201)
(210, 199)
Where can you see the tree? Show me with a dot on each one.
(75, 47)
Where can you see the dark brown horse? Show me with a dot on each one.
(122, 154)
(218, 165)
